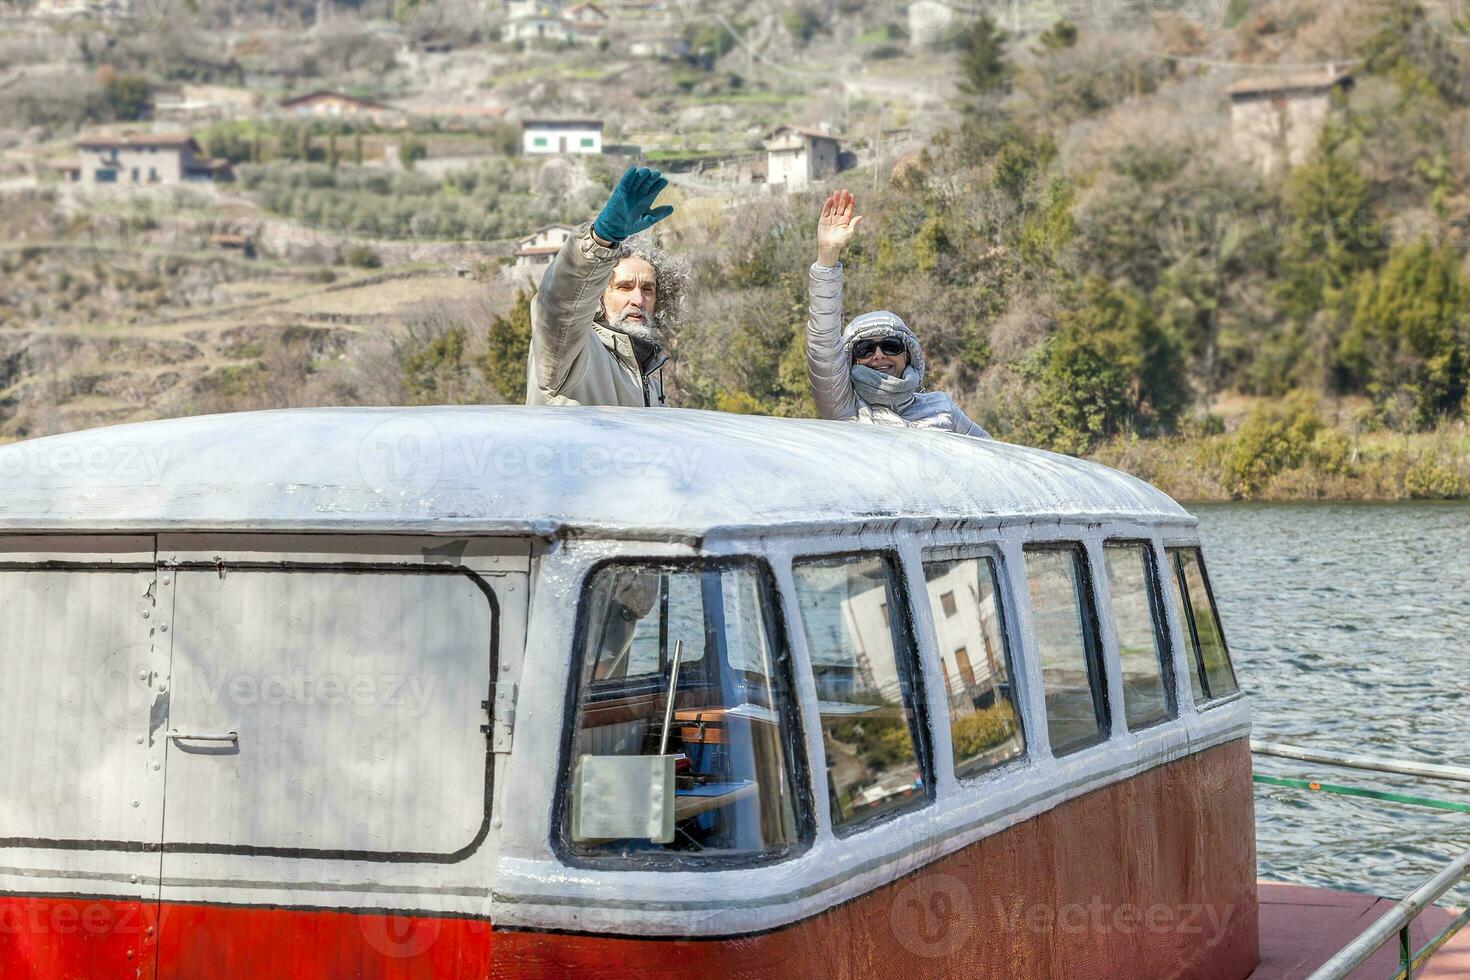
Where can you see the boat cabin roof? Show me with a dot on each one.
(542, 471)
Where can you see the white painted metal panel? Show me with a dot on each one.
(357, 699)
(74, 658)
(81, 802)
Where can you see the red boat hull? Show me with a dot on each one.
(1153, 876)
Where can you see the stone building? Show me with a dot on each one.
(143, 158)
(795, 157)
(1275, 120)
(535, 252)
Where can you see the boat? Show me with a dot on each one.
(463, 692)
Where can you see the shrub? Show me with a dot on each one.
(1431, 479)
(361, 257)
(1275, 437)
(973, 734)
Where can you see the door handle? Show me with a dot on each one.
(179, 736)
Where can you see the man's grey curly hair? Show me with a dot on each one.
(671, 279)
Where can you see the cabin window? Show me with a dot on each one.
(685, 739)
(1211, 675)
(863, 662)
(1143, 651)
(984, 728)
(1065, 620)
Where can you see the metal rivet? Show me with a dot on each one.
(162, 688)
(165, 580)
(135, 803)
(142, 675)
(145, 614)
(163, 627)
(157, 766)
(139, 739)
(510, 588)
(133, 879)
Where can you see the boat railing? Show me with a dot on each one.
(1400, 919)
(1422, 770)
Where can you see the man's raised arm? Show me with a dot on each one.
(571, 288)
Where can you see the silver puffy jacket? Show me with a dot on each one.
(829, 363)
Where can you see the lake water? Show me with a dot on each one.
(1349, 625)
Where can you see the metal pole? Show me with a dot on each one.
(1371, 794)
(1427, 769)
(663, 744)
(1357, 952)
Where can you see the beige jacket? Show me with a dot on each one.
(575, 360)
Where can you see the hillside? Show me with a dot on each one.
(1064, 208)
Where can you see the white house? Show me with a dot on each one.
(143, 158)
(795, 157)
(535, 251)
(538, 28)
(540, 136)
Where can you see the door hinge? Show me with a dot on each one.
(502, 716)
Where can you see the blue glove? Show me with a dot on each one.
(627, 211)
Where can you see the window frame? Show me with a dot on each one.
(1094, 654)
(793, 742)
(1001, 582)
(1158, 611)
(1190, 630)
(909, 669)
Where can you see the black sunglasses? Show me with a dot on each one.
(863, 349)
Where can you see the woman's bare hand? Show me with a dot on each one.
(836, 227)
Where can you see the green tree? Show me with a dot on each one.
(435, 369)
(1330, 234)
(127, 97)
(508, 345)
(984, 70)
(411, 152)
(1060, 36)
(1409, 332)
(1109, 367)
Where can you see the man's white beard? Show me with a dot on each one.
(643, 329)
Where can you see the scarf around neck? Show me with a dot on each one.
(877, 388)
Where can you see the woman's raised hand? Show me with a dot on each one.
(836, 227)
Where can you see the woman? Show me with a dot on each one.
(873, 370)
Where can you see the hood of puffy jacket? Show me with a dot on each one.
(881, 323)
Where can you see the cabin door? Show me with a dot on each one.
(328, 748)
(81, 798)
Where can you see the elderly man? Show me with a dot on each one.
(604, 306)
